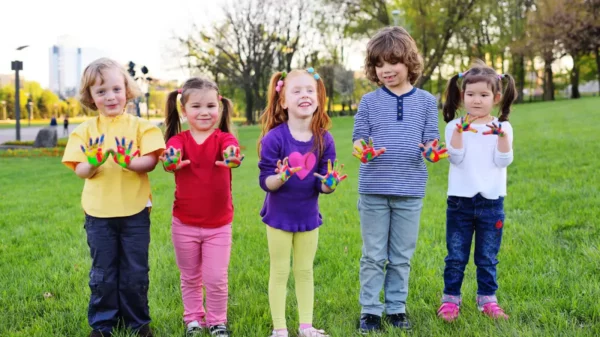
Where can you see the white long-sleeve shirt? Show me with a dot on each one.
(478, 167)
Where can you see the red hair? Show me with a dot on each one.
(275, 114)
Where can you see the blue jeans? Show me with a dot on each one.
(464, 217)
(389, 228)
(119, 275)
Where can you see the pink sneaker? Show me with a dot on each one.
(311, 332)
(493, 310)
(448, 311)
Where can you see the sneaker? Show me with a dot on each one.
(311, 332)
(145, 331)
(283, 333)
(399, 321)
(96, 333)
(368, 323)
(193, 328)
(448, 311)
(493, 310)
(219, 330)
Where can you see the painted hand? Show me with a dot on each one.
(171, 159)
(367, 152)
(231, 157)
(495, 130)
(285, 171)
(94, 153)
(334, 175)
(465, 124)
(123, 156)
(434, 153)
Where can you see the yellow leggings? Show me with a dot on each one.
(304, 245)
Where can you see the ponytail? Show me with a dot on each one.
(452, 98)
(172, 119)
(479, 72)
(273, 114)
(510, 95)
(225, 122)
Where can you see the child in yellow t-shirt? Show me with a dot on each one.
(116, 197)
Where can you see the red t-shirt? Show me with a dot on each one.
(203, 189)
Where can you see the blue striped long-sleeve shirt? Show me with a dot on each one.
(400, 124)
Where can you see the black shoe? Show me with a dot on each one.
(219, 330)
(368, 323)
(145, 331)
(399, 321)
(96, 333)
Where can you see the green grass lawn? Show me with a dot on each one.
(549, 271)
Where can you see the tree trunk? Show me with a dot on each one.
(249, 105)
(330, 93)
(440, 88)
(519, 73)
(575, 78)
(548, 80)
(597, 53)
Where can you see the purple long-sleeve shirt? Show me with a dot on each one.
(294, 207)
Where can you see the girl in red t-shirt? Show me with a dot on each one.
(201, 158)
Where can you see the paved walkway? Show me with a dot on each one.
(29, 133)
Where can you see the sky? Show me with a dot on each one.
(127, 30)
(136, 30)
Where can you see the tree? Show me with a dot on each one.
(345, 84)
(578, 38)
(46, 102)
(593, 7)
(544, 30)
(433, 23)
(256, 38)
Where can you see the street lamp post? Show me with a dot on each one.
(16, 66)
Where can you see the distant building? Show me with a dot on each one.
(67, 60)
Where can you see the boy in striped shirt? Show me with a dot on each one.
(394, 125)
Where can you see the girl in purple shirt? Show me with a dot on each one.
(297, 163)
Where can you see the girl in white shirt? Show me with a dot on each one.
(480, 149)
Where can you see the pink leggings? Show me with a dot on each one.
(203, 259)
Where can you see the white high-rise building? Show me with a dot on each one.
(67, 60)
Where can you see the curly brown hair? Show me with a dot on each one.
(393, 45)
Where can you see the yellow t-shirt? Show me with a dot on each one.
(114, 191)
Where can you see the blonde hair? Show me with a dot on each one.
(91, 74)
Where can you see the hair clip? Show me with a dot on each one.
(179, 91)
(220, 98)
(280, 82)
(500, 76)
(311, 71)
(461, 75)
